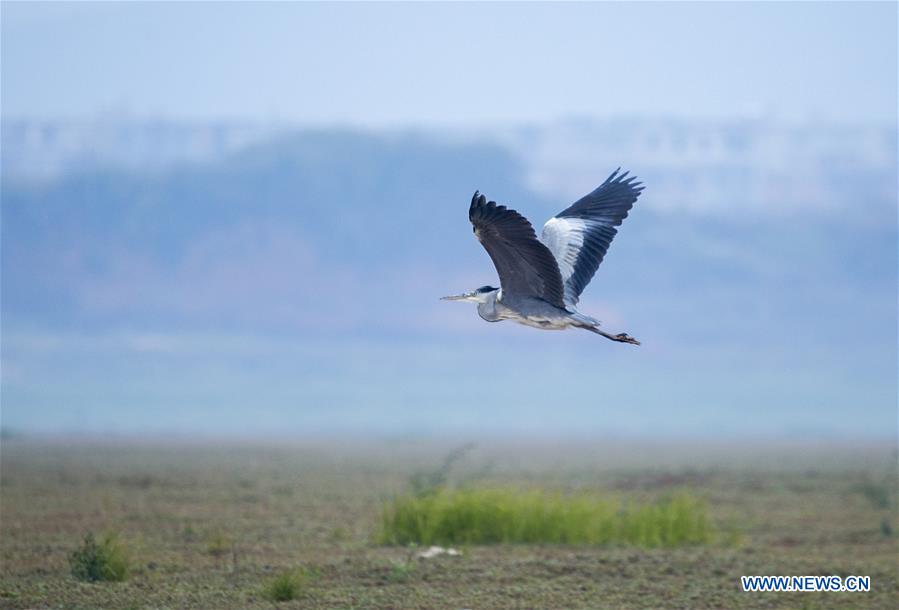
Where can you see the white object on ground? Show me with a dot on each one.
(437, 551)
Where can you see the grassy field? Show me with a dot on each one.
(239, 525)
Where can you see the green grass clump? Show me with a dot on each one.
(508, 516)
(401, 571)
(95, 561)
(284, 587)
(218, 544)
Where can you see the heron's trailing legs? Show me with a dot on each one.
(620, 337)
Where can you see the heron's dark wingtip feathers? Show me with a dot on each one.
(619, 177)
(478, 205)
(482, 210)
(610, 201)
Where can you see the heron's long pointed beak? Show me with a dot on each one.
(455, 297)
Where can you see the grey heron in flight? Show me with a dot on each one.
(542, 279)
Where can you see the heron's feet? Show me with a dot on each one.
(626, 338)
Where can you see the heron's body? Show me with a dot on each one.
(529, 311)
(541, 280)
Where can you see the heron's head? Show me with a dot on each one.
(478, 295)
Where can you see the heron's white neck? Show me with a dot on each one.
(487, 305)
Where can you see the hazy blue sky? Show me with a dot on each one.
(292, 287)
(378, 64)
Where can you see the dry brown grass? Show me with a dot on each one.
(796, 510)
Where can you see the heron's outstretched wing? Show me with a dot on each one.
(580, 235)
(525, 266)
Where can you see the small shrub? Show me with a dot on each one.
(507, 516)
(401, 571)
(285, 586)
(218, 544)
(103, 561)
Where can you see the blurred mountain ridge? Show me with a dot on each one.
(748, 165)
